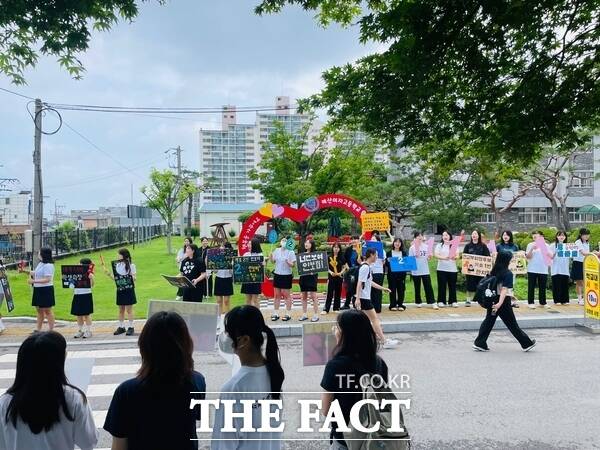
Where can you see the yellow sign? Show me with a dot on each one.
(591, 279)
(475, 265)
(379, 221)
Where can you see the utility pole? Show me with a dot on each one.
(58, 212)
(38, 194)
(178, 151)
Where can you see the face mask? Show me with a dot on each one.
(225, 344)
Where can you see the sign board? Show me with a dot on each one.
(318, 342)
(591, 280)
(138, 212)
(379, 221)
(518, 263)
(220, 258)
(179, 281)
(541, 244)
(478, 266)
(122, 282)
(5, 291)
(377, 245)
(567, 250)
(248, 269)
(76, 276)
(201, 319)
(403, 264)
(310, 263)
(79, 371)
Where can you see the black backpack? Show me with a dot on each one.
(487, 292)
(354, 277)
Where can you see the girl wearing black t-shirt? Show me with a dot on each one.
(354, 356)
(337, 268)
(194, 269)
(475, 247)
(308, 287)
(502, 308)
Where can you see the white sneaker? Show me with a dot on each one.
(2, 327)
(580, 303)
(87, 334)
(441, 305)
(434, 306)
(390, 343)
(419, 305)
(467, 303)
(78, 335)
(455, 305)
(547, 306)
(324, 312)
(531, 306)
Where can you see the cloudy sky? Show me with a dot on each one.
(187, 53)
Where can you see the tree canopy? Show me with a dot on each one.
(508, 76)
(30, 28)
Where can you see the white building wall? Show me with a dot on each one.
(15, 208)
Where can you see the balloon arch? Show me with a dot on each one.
(273, 211)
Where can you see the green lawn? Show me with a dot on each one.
(151, 260)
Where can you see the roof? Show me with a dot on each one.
(229, 207)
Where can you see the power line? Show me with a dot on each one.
(16, 93)
(213, 110)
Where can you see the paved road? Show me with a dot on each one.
(504, 399)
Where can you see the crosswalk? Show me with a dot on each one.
(296, 302)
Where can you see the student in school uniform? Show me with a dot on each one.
(194, 269)
(396, 280)
(537, 273)
(203, 254)
(353, 259)
(253, 290)
(418, 249)
(507, 244)
(82, 305)
(446, 271)
(179, 258)
(478, 248)
(559, 271)
(583, 247)
(126, 297)
(308, 287)
(284, 260)
(42, 280)
(378, 271)
(224, 286)
(337, 269)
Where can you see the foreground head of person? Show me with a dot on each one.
(356, 338)
(246, 328)
(41, 408)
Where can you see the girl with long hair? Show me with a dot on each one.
(152, 411)
(419, 250)
(179, 258)
(194, 269)
(446, 271)
(583, 247)
(284, 260)
(537, 272)
(354, 356)
(396, 280)
(259, 377)
(253, 290)
(42, 280)
(559, 271)
(336, 269)
(41, 410)
(82, 305)
(308, 287)
(125, 297)
(478, 248)
(502, 308)
(223, 288)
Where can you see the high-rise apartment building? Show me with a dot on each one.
(16, 209)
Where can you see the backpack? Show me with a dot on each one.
(381, 439)
(353, 274)
(487, 292)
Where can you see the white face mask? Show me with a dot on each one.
(225, 343)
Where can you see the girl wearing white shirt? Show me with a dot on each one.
(179, 259)
(559, 271)
(42, 279)
(82, 305)
(125, 297)
(223, 288)
(446, 271)
(41, 410)
(284, 260)
(260, 378)
(537, 273)
(418, 249)
(378, 271)
(583, 245)
(253, 290)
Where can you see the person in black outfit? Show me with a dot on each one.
(396, 280)
(337, 269)
(475, 247)
(353, 260)
(502, 308)
(208, 286)
(152, 411)
(194, 269)
(354, 356)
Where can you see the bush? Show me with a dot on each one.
(231, 233)
(193, 232)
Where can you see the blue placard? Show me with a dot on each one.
(403, 264)
(377, 245)
(562, 251)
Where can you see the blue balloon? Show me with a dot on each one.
(272, 236)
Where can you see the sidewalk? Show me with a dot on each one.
(414, 319)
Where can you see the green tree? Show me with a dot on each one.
(30, 28)
(165, 194)
(509, 77)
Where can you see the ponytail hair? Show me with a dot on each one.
(248, 321)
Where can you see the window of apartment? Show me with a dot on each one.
(583, 178)
(488, 217)
(7, 201)
(533, 215)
